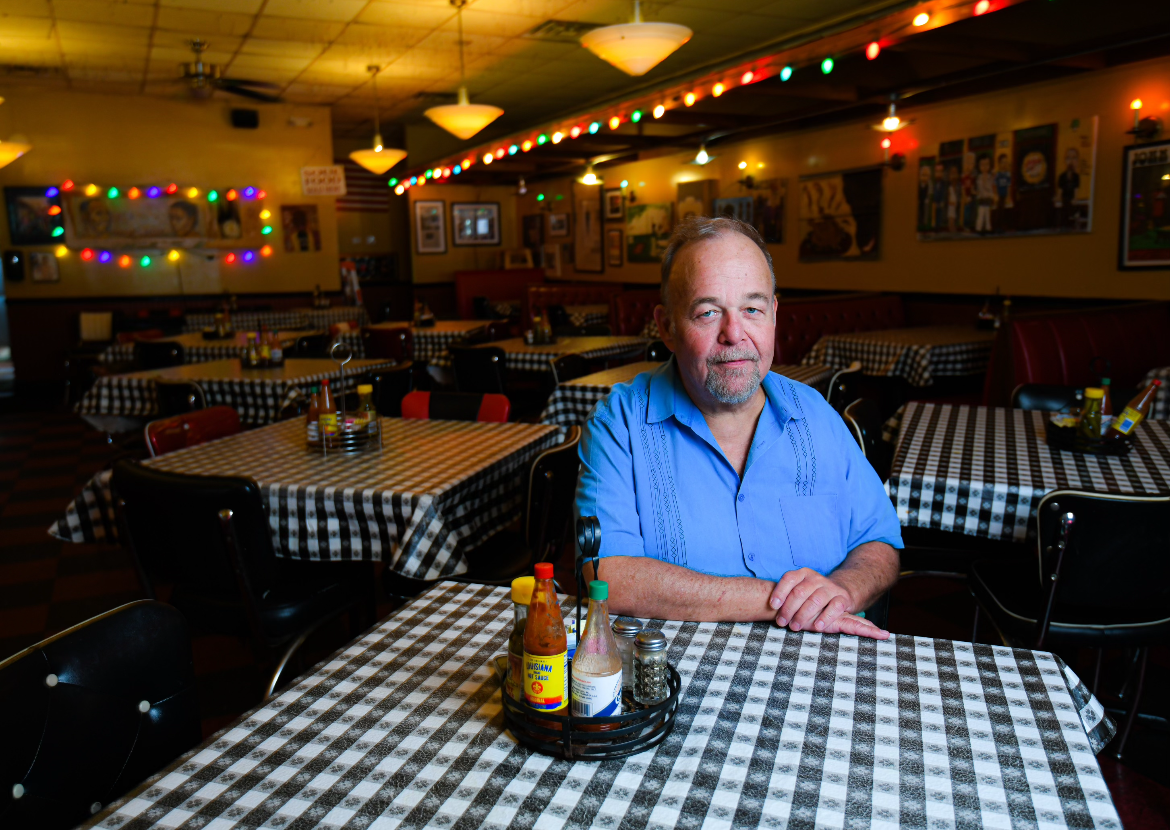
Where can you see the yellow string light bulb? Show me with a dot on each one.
(173, 255)
(266, 214)
(192, 192)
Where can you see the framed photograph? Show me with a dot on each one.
(29, 220)
(517, 258)
(589, 244)
(475, 223)
(302, 231)
(558, 225)
(613, 247)
(1145, 184)
(430, 232)
(43, 266)
(647, 231)
(614, 204)
(552, 260)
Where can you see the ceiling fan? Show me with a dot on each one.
(203, 79)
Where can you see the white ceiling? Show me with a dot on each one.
(316, 51)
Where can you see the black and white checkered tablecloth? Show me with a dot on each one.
(258, 400)
(572, 402)
(983, 471)
(650, 330)
(429, 345)
(437, 488)
(906, 353)
(323, 318)
(250, 321)
(124, 352)
(1161, 408)
(588, 315)
(404, 728)
(535, 359)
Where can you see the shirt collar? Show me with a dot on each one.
(669, 397)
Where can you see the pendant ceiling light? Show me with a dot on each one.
(590, 177)
(378, 159)
(463, 119)
(13, 149)
(636, 48)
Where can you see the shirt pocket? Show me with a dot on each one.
(813, 531)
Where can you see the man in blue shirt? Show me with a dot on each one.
(724, 491)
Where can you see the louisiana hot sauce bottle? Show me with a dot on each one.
(546, 649)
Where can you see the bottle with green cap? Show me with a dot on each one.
(597, 665)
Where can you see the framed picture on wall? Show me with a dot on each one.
(614, 205)
(29, 220)
(558, 225)
(613, 247)
(430, 232)
(43, 266)
(552, 260)
(590, 246)
(1145, 196)
(475, 223)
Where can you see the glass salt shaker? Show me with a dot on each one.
(650, 684)
(624, 631)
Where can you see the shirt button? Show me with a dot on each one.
(752, 557)
(741, 496)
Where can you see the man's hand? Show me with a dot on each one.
(806, 600)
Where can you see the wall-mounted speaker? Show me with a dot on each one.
(245, 119)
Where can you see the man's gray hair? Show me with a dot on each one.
(699, 228)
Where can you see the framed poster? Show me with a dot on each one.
(840, 216)
(43, 266)
(430, 232)
(589, 249)
(768, 211)
(613, 247)
(647, 232)
(302, 231)
(29, 220)
(738, 207)
(614, 204)
(552, 260)
(696, 198)
(558, 225)
(1145, 207)
(475, 223)
(516, 259)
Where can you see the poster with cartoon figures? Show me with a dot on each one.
(840, 216)
(1145, 206)
(1037, 180)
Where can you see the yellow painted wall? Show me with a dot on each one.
(125, 140)
(430, 268)
(1082, 265)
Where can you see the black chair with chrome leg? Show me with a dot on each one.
(1048, 397)
(843, 387)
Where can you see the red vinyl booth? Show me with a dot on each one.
(801, 322)
(630, 311)
(566, 294)
(498, 286)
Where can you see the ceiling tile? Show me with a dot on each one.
(237, 6)
(289, 64)
(371, 37)
(204, 24)
(544, 9)
(26, 27)
(282, 48)
(104, 87)
(103, 11)
(476, 22)
(102, 33)
(336, 10)
(446, 40)
(384, 13)
(24, 8)
(286, 28)
(605, 12)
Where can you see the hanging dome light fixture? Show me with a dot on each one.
(892, 123)
(590, 177)
(379, 158)
(463, 119)
(636, 48)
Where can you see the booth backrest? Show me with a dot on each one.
(630, 311)
(1061, 347)
(801, 322)
(495, 285)
(566, 294)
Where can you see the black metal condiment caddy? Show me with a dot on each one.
(1070, 438)
(582, 739)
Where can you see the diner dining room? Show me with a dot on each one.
(384, 439)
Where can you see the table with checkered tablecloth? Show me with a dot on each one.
(248, 320)
(918, 355)
(572, 401)
(404, 728)
(982, 471)
(593, 314)
(1161, 408)
(196, 349)
(434, 490)
(430, 342)
(523, 357)
(257, 394)
(323, 318)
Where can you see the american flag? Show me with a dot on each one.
(365, 192)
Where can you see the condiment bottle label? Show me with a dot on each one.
(597, 697)
(1127, 420)
(328, 423)
(515, 684)
(544, 680)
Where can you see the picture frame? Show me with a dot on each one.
(430, 227)
(614, 246)
(558, 225)
(29, 221)
(43, 266)
(589, 241)
(552, 260)
(517, 258)
(615, 205)
(475, 223)
(1140, 246)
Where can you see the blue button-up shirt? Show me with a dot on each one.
(660, 485)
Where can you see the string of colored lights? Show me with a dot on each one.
(864, 39)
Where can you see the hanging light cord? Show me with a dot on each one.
(374, 80)
(459, 16)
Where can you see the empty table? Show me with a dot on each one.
(323, 318)
(572, 401)
(431, 342)
(522, 356)
(982, 471)
(918, 355)
(436, 489)
(404, 728)
(196, 349)
(248, 320)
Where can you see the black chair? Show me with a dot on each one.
(390, 387)
(1049, 397)
(843, 387)
(313, 345)
(1100, 579)
(93, 711)
(479, 369)
(569, 367)
(595, 330)
(482, 308)
(864, 419)
(394, 343)
(209, 536)
(157, 354)
(545, 523)
(656, 351)
(176, 397)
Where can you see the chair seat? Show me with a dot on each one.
(304, 592)
(1011, 593)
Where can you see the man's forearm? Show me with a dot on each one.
(867, 572)
(642, 587)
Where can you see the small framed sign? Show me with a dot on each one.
(475, 223)
(323, 180)
(430, 230)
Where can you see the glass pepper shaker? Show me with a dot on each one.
(624, 631)
(650, 684)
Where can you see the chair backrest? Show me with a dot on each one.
(456, 406)
(657, 351)
(158, 354)
(393, 343)
(479, 369)
(314, 345)
(96, 326)
(175, 397)
(843, 387)
(390, 387)
(552, 487)
(170, 523)
(93, 711)
(175, 433)
(497, 330)
(569, 367)
(1044, 396)
(864, 419)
